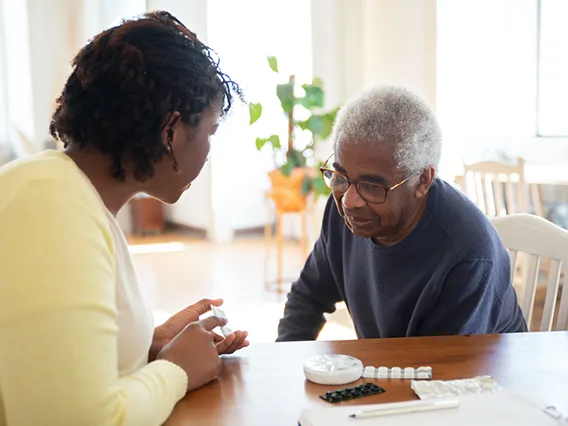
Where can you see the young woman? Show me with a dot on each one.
(78, 342)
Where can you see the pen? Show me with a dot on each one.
(407, 407)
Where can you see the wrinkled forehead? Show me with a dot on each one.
(365, 157)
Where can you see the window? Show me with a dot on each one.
(552, 68)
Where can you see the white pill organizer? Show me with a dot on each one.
(338, 369)
(334, 369)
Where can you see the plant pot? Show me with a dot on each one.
(286, 191)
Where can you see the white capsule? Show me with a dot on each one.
(383, 373)
(396, 373)
(369, 372)
(409, 373)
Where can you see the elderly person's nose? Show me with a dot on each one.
(352, 199)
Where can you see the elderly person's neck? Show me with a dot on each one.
(406, 227)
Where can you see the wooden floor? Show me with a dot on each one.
(175, 270)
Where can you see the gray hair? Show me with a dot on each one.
(393, 111)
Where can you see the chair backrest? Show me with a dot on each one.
(498, 189)
(539, 239)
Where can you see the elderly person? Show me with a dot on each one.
(407, 253)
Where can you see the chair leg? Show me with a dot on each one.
(278, 251)
(267, 241)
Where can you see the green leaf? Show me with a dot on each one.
(297, 158)
(287, 168)
(306, 184)
(275, 141)
(320, 125)
(313, 98)
(260, 142)
(255, 111)
(285, 93)
(273, 63)
(317, 82)
(320, 188)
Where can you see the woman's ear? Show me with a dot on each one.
(168, 137)
(168, 128)
(425, 181)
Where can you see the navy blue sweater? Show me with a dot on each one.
(450, 275)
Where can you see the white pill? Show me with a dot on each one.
(218, 312)
(369, 372)
(423, 375)
(226, 331)
(396, 373)
(409, 373)
(383, 373)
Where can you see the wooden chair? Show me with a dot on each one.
(538, 239)
(500, 189)
(279, 212)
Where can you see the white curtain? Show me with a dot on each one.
(361, 43)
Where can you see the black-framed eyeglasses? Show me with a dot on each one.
(372, 193)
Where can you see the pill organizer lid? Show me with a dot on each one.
(333, 369)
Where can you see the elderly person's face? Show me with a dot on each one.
(372, 165)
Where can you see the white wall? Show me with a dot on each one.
(244, 33)
(362, 43)
(194, 208)
(486, 77)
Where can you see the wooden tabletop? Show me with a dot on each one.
(265, 385)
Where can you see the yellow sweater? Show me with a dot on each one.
(58, 328)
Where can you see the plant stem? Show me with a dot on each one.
(291, 81)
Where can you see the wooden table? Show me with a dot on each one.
(265, 385)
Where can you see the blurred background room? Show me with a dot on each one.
(495, 71)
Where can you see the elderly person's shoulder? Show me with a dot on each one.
(469, 231)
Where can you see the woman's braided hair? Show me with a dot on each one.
(126, 84)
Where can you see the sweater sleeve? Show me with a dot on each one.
(58, 328)
(473, 300)
(314, 293)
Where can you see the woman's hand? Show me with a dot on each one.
(164, 333)
(194, 351)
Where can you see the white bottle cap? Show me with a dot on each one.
(334, 369)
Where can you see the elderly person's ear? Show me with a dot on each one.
(425, 181)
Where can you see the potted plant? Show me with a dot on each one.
(296, 174)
